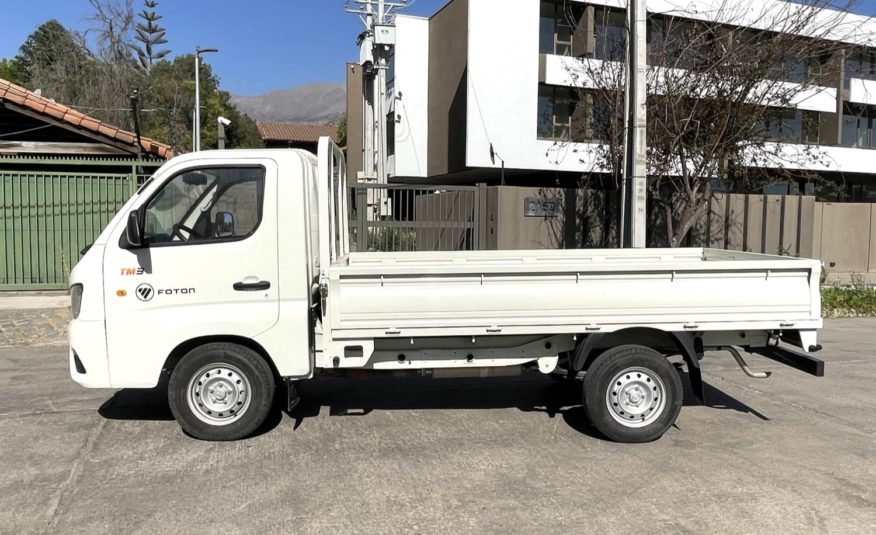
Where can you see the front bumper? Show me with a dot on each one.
(87, 341)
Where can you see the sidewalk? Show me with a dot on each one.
(33, 320)
(30, 301)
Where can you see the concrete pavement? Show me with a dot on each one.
(792, 453)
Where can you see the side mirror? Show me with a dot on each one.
(224, 224)
(133, 232)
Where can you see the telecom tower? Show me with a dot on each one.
(375, 47)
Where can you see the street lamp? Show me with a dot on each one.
(196, 134)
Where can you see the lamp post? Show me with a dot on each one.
(196, 134)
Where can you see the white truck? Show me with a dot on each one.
(231, 272)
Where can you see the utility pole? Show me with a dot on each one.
(196, 133)
(635, 179)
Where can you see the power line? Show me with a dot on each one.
(26, 131)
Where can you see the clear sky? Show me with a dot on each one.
(263, 45)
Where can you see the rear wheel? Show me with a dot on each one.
(632, 394)
(221, 391)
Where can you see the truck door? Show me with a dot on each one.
(208, 267)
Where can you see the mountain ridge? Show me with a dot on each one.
(314, 103)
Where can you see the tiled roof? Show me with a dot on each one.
(293, 132)
(20, 96)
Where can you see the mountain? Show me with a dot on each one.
(311, 103)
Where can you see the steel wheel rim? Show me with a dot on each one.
(218, 394)
(636, 397)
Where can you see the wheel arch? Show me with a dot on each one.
(685, 343)
(592, 344)
(183, 348)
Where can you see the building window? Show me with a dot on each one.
(858, 125)
(793, 126)
(860, 64)
(811, 127)
(556, 28)
(611, 34)
(576, 29)
(555, 108)
(567, 114)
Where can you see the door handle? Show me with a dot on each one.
(251, 286)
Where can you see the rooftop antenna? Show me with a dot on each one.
(375, 47)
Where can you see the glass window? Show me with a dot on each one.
(206, 204)
(545, 111)
(556, 105)
(547, 28)
(567, 114)
(611, 34)
(850, 131)
(811, 127)
(558, 25)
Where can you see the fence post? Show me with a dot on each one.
(481, 216)
(132, 181)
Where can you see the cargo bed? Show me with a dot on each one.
(375, 295)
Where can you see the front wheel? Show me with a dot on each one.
(221, 391)
(632, 394)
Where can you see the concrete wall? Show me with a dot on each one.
(843, 235)
(846, 239)
(448, 46)
(410, 101)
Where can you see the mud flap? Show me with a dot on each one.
(691, 349)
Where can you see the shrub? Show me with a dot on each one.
(852, 300)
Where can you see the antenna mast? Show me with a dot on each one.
(375, 46)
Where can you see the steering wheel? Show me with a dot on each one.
(192, 234)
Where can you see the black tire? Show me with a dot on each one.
(648, 415)
(237, 410)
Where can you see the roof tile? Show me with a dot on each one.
(296, 132)
(20, 96)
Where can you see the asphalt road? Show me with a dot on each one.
(784, 455)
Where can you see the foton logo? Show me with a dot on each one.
(145, 292)
(127, 272)
(177, 291)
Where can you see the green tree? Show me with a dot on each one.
(53, 60)
(8, 71)
(150, 35)
(170, 102)
(49, 57)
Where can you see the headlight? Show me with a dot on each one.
(76, 299)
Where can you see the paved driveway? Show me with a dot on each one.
(788, 454)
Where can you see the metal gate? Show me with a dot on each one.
(47, 218)
(402, 217)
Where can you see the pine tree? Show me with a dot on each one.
(151, 35)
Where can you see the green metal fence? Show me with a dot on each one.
(48, 217)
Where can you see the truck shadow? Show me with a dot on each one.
(351, 397)
(528, 393)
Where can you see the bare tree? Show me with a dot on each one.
(727, 92)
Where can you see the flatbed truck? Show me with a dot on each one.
(231, 273)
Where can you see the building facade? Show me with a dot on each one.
(483, 85)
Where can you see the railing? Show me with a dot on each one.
(402, 217)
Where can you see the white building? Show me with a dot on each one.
(498, 73)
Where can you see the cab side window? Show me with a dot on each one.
(204, 205)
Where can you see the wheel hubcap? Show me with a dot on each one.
(636, 397)
(218, 394)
